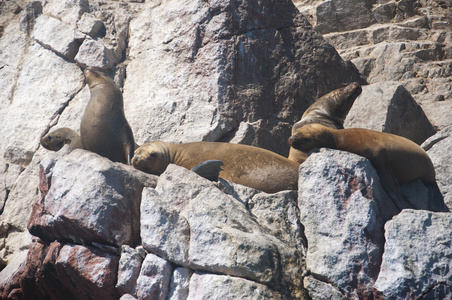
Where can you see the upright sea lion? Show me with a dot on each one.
(396, 159)
(250, 166)
(104, 128)
(329, 110)
(56, 139)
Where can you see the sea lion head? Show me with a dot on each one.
(343, 100)
(312, 136)
(331, 109)
(95, 77)
(56, 139)
(152, 158)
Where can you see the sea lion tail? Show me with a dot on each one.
(436, 198)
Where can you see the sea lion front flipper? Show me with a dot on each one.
(209, 169)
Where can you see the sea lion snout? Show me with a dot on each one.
(135, 159)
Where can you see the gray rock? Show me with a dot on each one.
(154, 280)
(89, 25)
(318, 289)
(128, 270)
(69, 11)
(416, 262)
(64, 40)
(339, 207)
(199, 71)
(127, 297)
(106, 206)
(210, 286)
(389, 107)
(226, 238)
(341, 15)
(94, 53)
(439, 148)
(179, 285)
(164, 231)
(20, 138)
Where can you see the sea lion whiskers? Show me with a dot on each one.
(152, 158)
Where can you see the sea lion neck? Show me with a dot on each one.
(175, 154)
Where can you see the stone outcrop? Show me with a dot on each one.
(389, 107)
(75, 225)
(203, 239)
(405, 41)
(439, 148)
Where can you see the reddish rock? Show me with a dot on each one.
(57, 271)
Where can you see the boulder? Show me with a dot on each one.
(342, 209)
(199, 71)
(154, 279)
(57, 271)
(128, 270)
(211, 286)
(389, 107)
(64, 40)
(223, 238)
(416, 262)
(107, 199)
(179, 286)
(439, 149)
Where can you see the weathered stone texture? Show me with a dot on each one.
(103, 208)
(404, 41)
(342, 220)
(227, 70)
(417, 262)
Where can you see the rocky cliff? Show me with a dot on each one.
(75, 225)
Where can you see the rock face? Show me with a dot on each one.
(405, 41)
(439, 148)
(74, 225)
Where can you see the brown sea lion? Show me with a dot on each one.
(329, 110)
(104, 128)
(396, 159)
(56, 139)
(246, 165)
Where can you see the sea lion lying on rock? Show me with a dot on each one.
(329, 110)
(396, 159)
(250, 166)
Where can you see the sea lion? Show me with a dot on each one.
(396, 159)
(104, 128)
(329, 110)
(246, 165)
(56, 139)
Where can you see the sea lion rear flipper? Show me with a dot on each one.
(436, 199)
(390, 185)
(209, 169)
